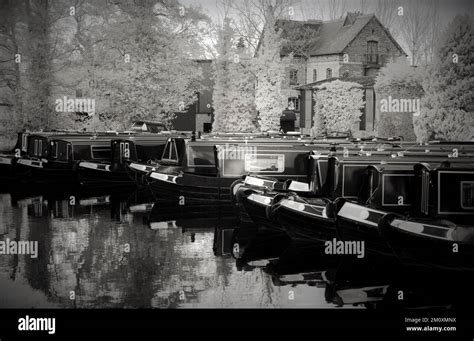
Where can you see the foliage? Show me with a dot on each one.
(398, 80)
(447, 109)
(337, 107)
(270, 72)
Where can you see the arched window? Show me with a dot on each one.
(328, 73)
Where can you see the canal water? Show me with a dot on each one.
(100, 254)
(114, 251)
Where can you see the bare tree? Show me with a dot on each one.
(434, 32)
(336, 8)
(364, 6)
(251, 16)
(414, 27)
(311, 10)
(387, 12)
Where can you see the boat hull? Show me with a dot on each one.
(101, 175)
(430, 244)
(186, 187)
(305, 223)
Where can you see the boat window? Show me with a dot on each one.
(201, 156)
(62, 150)
(69, 152)
(124, 150)
(171, 152)
(24, 142)
(174, 152)
(265, 163)
(167, 151)
(54, 150)
(100, 152)
(467, 194)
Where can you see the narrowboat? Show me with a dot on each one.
(138, 148)
(9, 158)
(397, 190)
(254, 196)
(204, 170)
(53, 158)
(441, 218)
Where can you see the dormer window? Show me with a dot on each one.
(372, 52)
(328, 73)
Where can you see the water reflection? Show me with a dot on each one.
(102, 250)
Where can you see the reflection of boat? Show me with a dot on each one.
(257, 249)
(191, 216)
(302, 263)
(223, 238)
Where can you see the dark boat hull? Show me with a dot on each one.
(425, 243)
(188, 187)
(256, 207)
(305, 224)
(103, 177)
(46, 174)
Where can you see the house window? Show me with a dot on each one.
(294, 103)
(328, 73)
(315, 75)
(345, 74)
(78, 93)
(294, 77)
(363, 117)
(372, 52)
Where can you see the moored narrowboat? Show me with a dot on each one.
(440, 243)
(204, 170)
(53, 158)
(137, 148)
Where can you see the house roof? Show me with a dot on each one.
(332, 36)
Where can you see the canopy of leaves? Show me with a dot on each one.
(447, 109)
(337, 107)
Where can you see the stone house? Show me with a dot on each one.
(352, 48)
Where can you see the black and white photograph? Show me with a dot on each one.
(210, 163)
